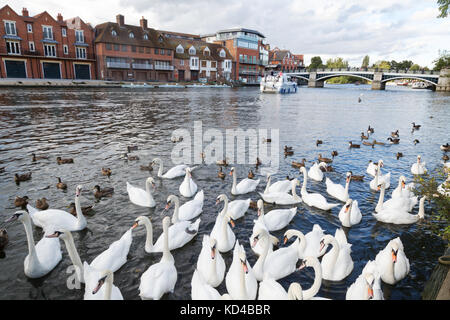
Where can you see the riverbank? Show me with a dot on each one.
(438, 285)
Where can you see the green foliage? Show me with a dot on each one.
(345, 79)
(443, 60)
(382, 65)
(426, 185)
(405, 64)
(316, 62)
(365, 62)
(337, 63)
(444, 8)
(415, 67)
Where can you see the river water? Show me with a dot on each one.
(94, 126)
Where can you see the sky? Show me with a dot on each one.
(383, 29)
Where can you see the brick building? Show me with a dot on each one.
(41, 47)
(136, 53)
(288, 62)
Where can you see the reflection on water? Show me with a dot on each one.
(94, 126)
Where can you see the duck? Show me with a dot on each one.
(221, 174)
(372, 168)
(402, 202)
(356, 177)
(418, 168)
(352, 145)
(132, 148)
(21, 202)
(315, 173)
(253, 205)
(377, 142)
(223, 162)
(188, 187)
(399, 155)
(59, 219)
(43, 256)
(276, 219)
(105, 280)
(394, 140)
(283, 198)
(338, 191)
(334, 153)
(314, 199)
(366, 143)
(189, 210)
(392, 263)
(399, 214)
(42, 204)
(147, 168)
(445, 157)
(141, 197)
(286, 148)
(240, 279)
(318, 142)
(202, 290)
(106, 172)
(368, 284)
(325, 167)
(288, 153)
(221, 230)
(416, 141)
(370, 130)
(279, 186)
(350, 214)
(105, 192)
(250, 175)
(73, 211)
(364, 137)
(130, 158)
(445, 147)
(35, 158)
(60, 160)
(267, 140)
(380, 178)
(238, 208)
(22, 177)
(174, 172)
(337, 264)
(323, 159)
(4, 239)
(296, 164)
(245, 185)
(415, 126)
(61, 185)
(210, 263)
(258, 162)
(176, 139)
(395, 134)
(160, 277)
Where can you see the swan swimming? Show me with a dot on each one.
(141, 197)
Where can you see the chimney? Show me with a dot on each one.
(25, 12)
(60, 17)
(143, 23)
(120, 20)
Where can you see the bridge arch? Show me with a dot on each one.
(410, 77)
(298, 76)
(329, 76)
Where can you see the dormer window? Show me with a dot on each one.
(180, 49)
(206, 52)
(192, 50)
(145, 36)
(131, 35)
(222, 53)
(160, 39)
(113, 33)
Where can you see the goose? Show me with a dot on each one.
(210, 263)
(315, 173)
(238, 208)
(392, 263)
(296, 164)
(245, 185)
(283, 198)
(221, 174)
(189, 210)
(43, 256)
(240, 279)
(334, 153)
(106, 172)
(177, 171)
(106, 278)
(402, 203)
(104, 192)
(60, 160)
(367, 286)
(60, 219)
(61, 185)
(160, 277)
(403, 189)
(350, 214)
(416, 141)
(386, 179)
(318, 142)
(250, 175)
(416, 126)
(288, 153)
(399, 155)
(337, 264)
(394, 140)
(141, 197)
(221, 231)
(371, 168)
(21, 202)
(275, 219)
(22, 177)
(418, 168)
(202, 290)
(356, 177)
(286, 148)
(188, 187)
(336, 190)
(395, 134)
(279, 186)
(314, 199)
(363, 137)
(398, 214)
(352, 145)
(269, 289)
(42, 204)
(370, 130)
(370, 144)
(445, 147)
(445, 158)
(323, 159)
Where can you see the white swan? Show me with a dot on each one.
(283, 198)
(400, 215)
(337, 264)
(350, 213)
(188, 187)
(392, 263)
(202, 290)
(258, 248)
(312, 245)
(141, 197)
(43, 256)
(210, 262)
(162, 276)
(314, 172)
(401, 203)
(221, 231)
(59, 219)
(367, 286)
(269, 289)
(279, 186)
(380, 178)
(245, 186)
(371, 169)
(336, 190)
(418, 167)
(314, 199)
(444, 187)
(189, 210)
(313, 262)
(403, 189)
(238, 208)
(111, 292)
(240, 280)
(275, 219)
(174, 172)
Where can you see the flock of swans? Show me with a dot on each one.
(242, 280)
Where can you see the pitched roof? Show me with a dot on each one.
(199, 46)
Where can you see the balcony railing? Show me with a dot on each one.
(250, 72)
(376, 69)
(121, 65)
(163, 67)
(248, 61)
(145, 66)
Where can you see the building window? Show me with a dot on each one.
(213, 64)
(49, 50)
(180, 49)
(156, 51)
(222, 53)
(124, 48)
(29, 27)
(116, 47)
(181, 62)
(162, 51)
(203, 63)
(13, 47)
(133, 48)
(79, 36)
(66, 49)
(147, 50)
(160, 39)
(81, 53)
(169, 52)
(64, 32)
(48, 32)
(192, 50)
(206, 52)
(145, 36)
(141, 49)
(10, 28)
(31, 46)
(113, 33)
(108, 46)
(131, 35)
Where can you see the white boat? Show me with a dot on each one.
(420, 85)
(132, 85)
(277, 84)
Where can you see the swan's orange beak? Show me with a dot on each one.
(394, 257)
(403, 184)
(213, 253)
(232, 223)
(347, 180)
(259, 212)
(231, 173)
(244, 265)
(255, 241)
(322, 245)
(167, 206)
(346, 208)
(134, 225)
(370, 292)
(285, 239)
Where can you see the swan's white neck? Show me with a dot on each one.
(188, 182)
(302, 241)
(258, 267)
(379, 206)
(149, 192)
(149, 237)
(33, 260)
(311, 292)
(347, 214)
(225, 224)
(305, 181)
(108, 286)
(176, 210)
(167, 256)
(160, 170)
(268, 184)
(74, 256)
(294, 194)
(80, 216)
(242, 287)
(334, 252)
(233, 188)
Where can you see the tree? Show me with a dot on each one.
(415, 67)
(443, 60)
(382, 65)
(365, 62)
(337, 63)
(444, 8)
(405, 64)
(316, 62)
